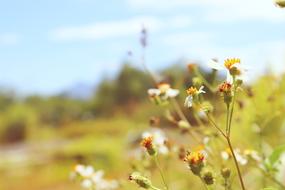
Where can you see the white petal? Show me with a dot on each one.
(201, 90)
(188, 101)
(86, 183)
(215, 65)
(172, 93)
(229, 78)
(225, 155)
(97, 176)
(153, 92)
(88, 171)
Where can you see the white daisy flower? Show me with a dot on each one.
(164, 90)
(87, 184)
(84, 171)
(159, 140)
(192, 91)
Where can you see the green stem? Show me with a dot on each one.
(236, 163)
(232, 109)
(179, 111)
(154, 188)
(227, 124)
(160, 172)
(216, 126)
(206, 187)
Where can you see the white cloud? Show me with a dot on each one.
(218, 10)
(103, 30)
(9, 39)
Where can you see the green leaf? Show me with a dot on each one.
(275, 155)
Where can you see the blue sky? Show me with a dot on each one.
(47, 46)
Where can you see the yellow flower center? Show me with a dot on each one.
(191, 91)
(194, 157)
(163, 87)
(147, 142)
(230, 62)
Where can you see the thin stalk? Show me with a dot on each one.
(227, 124)
(146, 68)
(179, 111)
(154, 188)
(226, 184)
(216, 126)
(160, 172)
(206, 187)
(236, 163)
(232, 110)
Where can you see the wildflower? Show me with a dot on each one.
(230, 63)
(87, 184)
(215, 65)
(195, 161)
(226, 155)
(84, 171)
(147, 143)
(183, 125)
(163, 91)
(142, 181)
(91, 179)
(157, 139)
(208, 178)
(232, 66)
(226, 89)
(253, 155)
(192, 94)
(280, 3)
(226, 172)
(191, 67)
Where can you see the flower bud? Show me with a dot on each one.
(197, 81)
(208, 178)
(226, 172)
(195, 161)
(239, 82)
(191, 67)
(142, 181)
(226, 90)
(183, 124)
(234, 71)
(207, 107)
(280, 3)
(147, 143)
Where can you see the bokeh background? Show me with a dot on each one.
(72, 87)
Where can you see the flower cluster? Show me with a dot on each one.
(155, 141)
(195, 161)
(193, 94)
(162, 93)
(91, 179)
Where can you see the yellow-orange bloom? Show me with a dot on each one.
(163, 87)
(194, 158)
(147, 142)
(230, 62)
(192, 91)
(225, 87)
